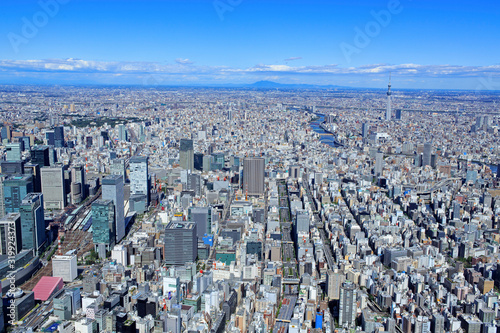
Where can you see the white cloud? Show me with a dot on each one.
(183, 61)
(232, 74)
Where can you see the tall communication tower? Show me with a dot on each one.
(388, 111)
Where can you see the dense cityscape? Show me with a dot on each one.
(177, 209)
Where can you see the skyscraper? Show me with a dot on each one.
(294, 171)
(77, 184)
(253, 175)
(40, 156)
(32, 222)
(6, 133)
(2, 201)
(398, 114)
(53, 189)
(139, 176)
(34, 170)
(426, 158)
(186, 154)
(122, 133)
(65, 267)
(437, 323)
(59, 137)
(388, 111)
(365, 128)
(12, 167)
(8, 224)
(198, 161)
(14, 151)
(103, 223)
(181, 243)
(379, 163)
(333, 282)
(202, 216)
(194, 183)
(15, 188)
(117, 167)
(347, 304)
(112, 189)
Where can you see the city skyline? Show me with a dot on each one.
(425, 45)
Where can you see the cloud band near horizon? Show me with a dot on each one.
(189, 71)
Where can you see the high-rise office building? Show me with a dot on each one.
(207, 163)
(202, 216)
(294, 171)
(62, 304)
(301, 223)
(14, 151)
(347, 304)
(65, 267)
(10, 225)
(253, 175)
(52, 156)
(117, 167)
(53, 189)
(194, 183)
(40, 156)
(112, 189)
(122, 133)
(59, 137)
(88, 142)
(78, 190)
(437, 323)
(139, 176)
(365, 128)
(333, 282)
(379, 163)
(50, 138)
(33, 222)
(12, 167)
(26, 141)
(186, 154)
(34, 171)
(198, 161)
(103, 223)
(15, 189)
(181, 243)
(6, 133)
(2, 201)
(219, 159)
(398, 114)
(426, 157)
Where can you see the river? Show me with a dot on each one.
(325, 137)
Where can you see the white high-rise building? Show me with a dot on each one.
(54, 194)
(139, 182)
(65, 267)
(119, 253)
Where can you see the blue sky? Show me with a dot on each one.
(425, 44)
